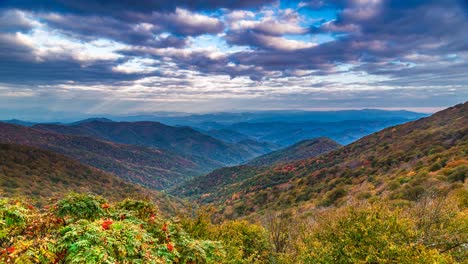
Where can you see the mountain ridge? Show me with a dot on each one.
(399, 162)
(301, 150)
(182, 140)
(222, 180)
(42, 175)
(154, 168)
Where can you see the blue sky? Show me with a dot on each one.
(120, 57)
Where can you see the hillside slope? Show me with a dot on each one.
(39, 175)
(200, 148)
(222, 181)
(301, 150)
(154, 168)
(423, 157)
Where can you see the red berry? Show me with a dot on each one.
(10, 249)
(106, 224)
(105, 206)
(164, 228)
(122, 217)
(170, 247)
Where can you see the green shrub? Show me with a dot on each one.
(366, 235)
(458, 174)
(332, 196)
(81, 206)
(86, 229)
(244, 242)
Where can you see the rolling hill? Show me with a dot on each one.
(150, 167)
(404, 162)
(222, 181)
(302, 150)
(202, 149)
(41, 175)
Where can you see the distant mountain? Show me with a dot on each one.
(200, 148)
(18, 122)
(151, 167)
(289, 127)
(408, 161)
(41, 175)
(226, 135)
(98, 119)
(292, 116)
(286, 133)
(302, 150)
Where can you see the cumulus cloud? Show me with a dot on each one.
(283, 22)
(184, 22)
(254, 49)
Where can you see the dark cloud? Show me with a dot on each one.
(92, 27)
(415, 43)
(53, 72)
(14, 21)
(124, 6)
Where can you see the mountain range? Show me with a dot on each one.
(281, 128)
(288, 133)
(313, 172)
(200, 148)
(401, 162)
(291, 116)
(151, 167)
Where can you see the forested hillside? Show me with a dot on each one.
(404, 162)
(154, 168)
(224, 181)
(301, 150)
(202, 149)
(39, 176)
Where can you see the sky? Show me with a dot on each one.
(121, 57)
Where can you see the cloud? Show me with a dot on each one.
(134, 51)
(184, 22)
(276, 24)
(15, 20)
(250, 38)
(138, 29)
(126, 6)
(268, 31)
